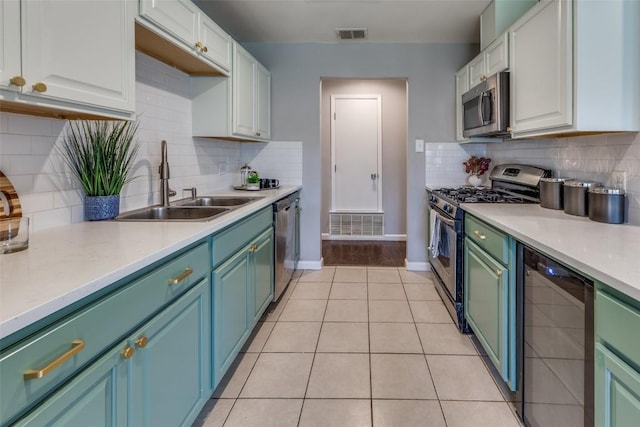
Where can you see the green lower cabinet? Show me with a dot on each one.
(617, 391)
(171, 365)
(96, 397)
(231, 319)
(485, 303)
(263, 274)
(157, 377)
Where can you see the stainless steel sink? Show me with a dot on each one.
(234, 201)
(173, 213)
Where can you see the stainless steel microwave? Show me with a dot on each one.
(486, 108)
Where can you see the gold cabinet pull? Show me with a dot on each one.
(253, 248)
(127, 353)
(39, 87)
(479, 235)
(18, 81)
(76, 347)
(142, 342)
(498, 272)
(186, 273)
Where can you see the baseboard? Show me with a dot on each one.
(385, 238)
(417, 266)
(310, 265)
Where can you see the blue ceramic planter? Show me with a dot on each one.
(97, 208)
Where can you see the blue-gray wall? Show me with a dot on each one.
(296, 70)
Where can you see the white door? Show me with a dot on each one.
(356, 149)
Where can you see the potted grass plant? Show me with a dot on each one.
(100, 155)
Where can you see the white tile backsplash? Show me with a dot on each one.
(443, 162)
(52, 197)
(591, 157)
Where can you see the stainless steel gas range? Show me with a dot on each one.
(510, 183)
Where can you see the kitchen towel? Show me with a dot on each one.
(434, 223)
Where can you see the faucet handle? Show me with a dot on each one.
(172, 193)
(194, 192)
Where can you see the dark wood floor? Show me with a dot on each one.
(363, 252)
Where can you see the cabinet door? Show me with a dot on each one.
(171, 364)
(217, 43)
(96, 397)
(263, 270)
(9, 43)
(497, 55)
(263, 102)
(477, 70)
(541, 68)
(80, 51)
(485, 299)
(243, 93)
(462, 86)
(178, 17)
(617, 391)
(231, 322)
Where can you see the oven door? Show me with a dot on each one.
(443, 250)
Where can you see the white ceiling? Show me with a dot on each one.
(387, 21)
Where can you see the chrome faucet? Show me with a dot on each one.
(165, 191)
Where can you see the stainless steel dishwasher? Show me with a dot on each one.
(557, 345)
(284, 212)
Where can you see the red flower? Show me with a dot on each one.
(476, 165)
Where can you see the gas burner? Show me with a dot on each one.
(470, 194)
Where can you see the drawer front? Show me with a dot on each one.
(488, 238)
(81, 337)
(617, 323)
(232, 239)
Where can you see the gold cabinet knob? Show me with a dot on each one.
(39, 87)
(508, 128)
(257, 133)
(18, 81)
(205, 49)
(199, 45)
(142, 342)
(498, 272)
(127, 353)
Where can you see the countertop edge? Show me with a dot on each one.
(41, 310)
(574, 259)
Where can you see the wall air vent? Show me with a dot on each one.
(351, 33)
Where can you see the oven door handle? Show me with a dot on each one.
(447, 221)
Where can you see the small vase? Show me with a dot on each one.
(474, 180)
(97, 208)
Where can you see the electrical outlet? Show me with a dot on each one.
(619, 180)
(419, 145)
(222, 168)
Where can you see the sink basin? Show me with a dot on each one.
(220, 201)
(173, 213)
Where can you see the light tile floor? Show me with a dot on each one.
(358, 346)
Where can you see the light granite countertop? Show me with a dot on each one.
(609, 253)
(66, 264)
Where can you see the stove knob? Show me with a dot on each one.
(448, 209)
(432, 199)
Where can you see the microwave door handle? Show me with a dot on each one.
(485, 105)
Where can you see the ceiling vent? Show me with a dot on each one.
(351, 33)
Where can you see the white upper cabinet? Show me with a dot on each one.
(179, 33)
(10, 68)
(263, 102)
(75, 58)
(493, 59)
(541, 69)
(238, 108)
(575, 67)
(498, 16)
